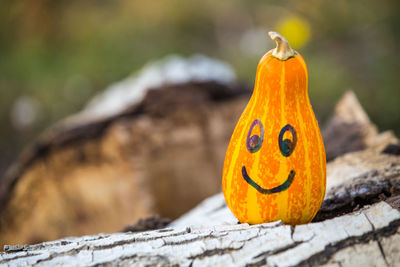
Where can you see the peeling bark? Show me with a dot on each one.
(358, 225)
(350, 129)
(149, 223)
(349, 240)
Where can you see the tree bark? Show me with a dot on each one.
(140, 161)
(358, 225)
(367, 237)
(350, 129)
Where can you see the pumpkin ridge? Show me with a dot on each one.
(315, 200)
(242, 127)
(322, 158)
(272, 96)
(321, 147)
(307, 172)
(264, 91)
(296, 196)
(252, 203)
(283, 198)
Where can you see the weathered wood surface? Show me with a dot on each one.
(350, 129)
(358, 225)
(367, 237)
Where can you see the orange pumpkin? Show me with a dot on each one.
(275, 165)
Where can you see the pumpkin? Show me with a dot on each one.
(275, 165)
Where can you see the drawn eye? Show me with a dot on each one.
(254, 142)
(287, 146)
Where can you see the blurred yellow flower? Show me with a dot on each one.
(296, 30)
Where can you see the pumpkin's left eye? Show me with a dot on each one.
(287, 146)
(254, 142)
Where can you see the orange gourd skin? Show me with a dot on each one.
(280, 97)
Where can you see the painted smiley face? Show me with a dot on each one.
(286, 146)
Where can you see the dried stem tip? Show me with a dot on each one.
(283, 51)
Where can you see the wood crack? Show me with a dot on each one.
(264, 256)
(217, 251)
(331, 249)
(375, 237)
(366, 189)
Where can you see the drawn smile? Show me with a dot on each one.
(273, 190)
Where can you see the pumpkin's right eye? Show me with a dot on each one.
(286, 145)
(254, 142)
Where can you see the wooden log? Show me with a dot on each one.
(350, 129)
(358, 225)
(138, 161)
(102, 176)
(368, 237)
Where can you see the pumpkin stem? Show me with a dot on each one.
(283, 51)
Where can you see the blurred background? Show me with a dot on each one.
(55, 55)
(139, 160)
